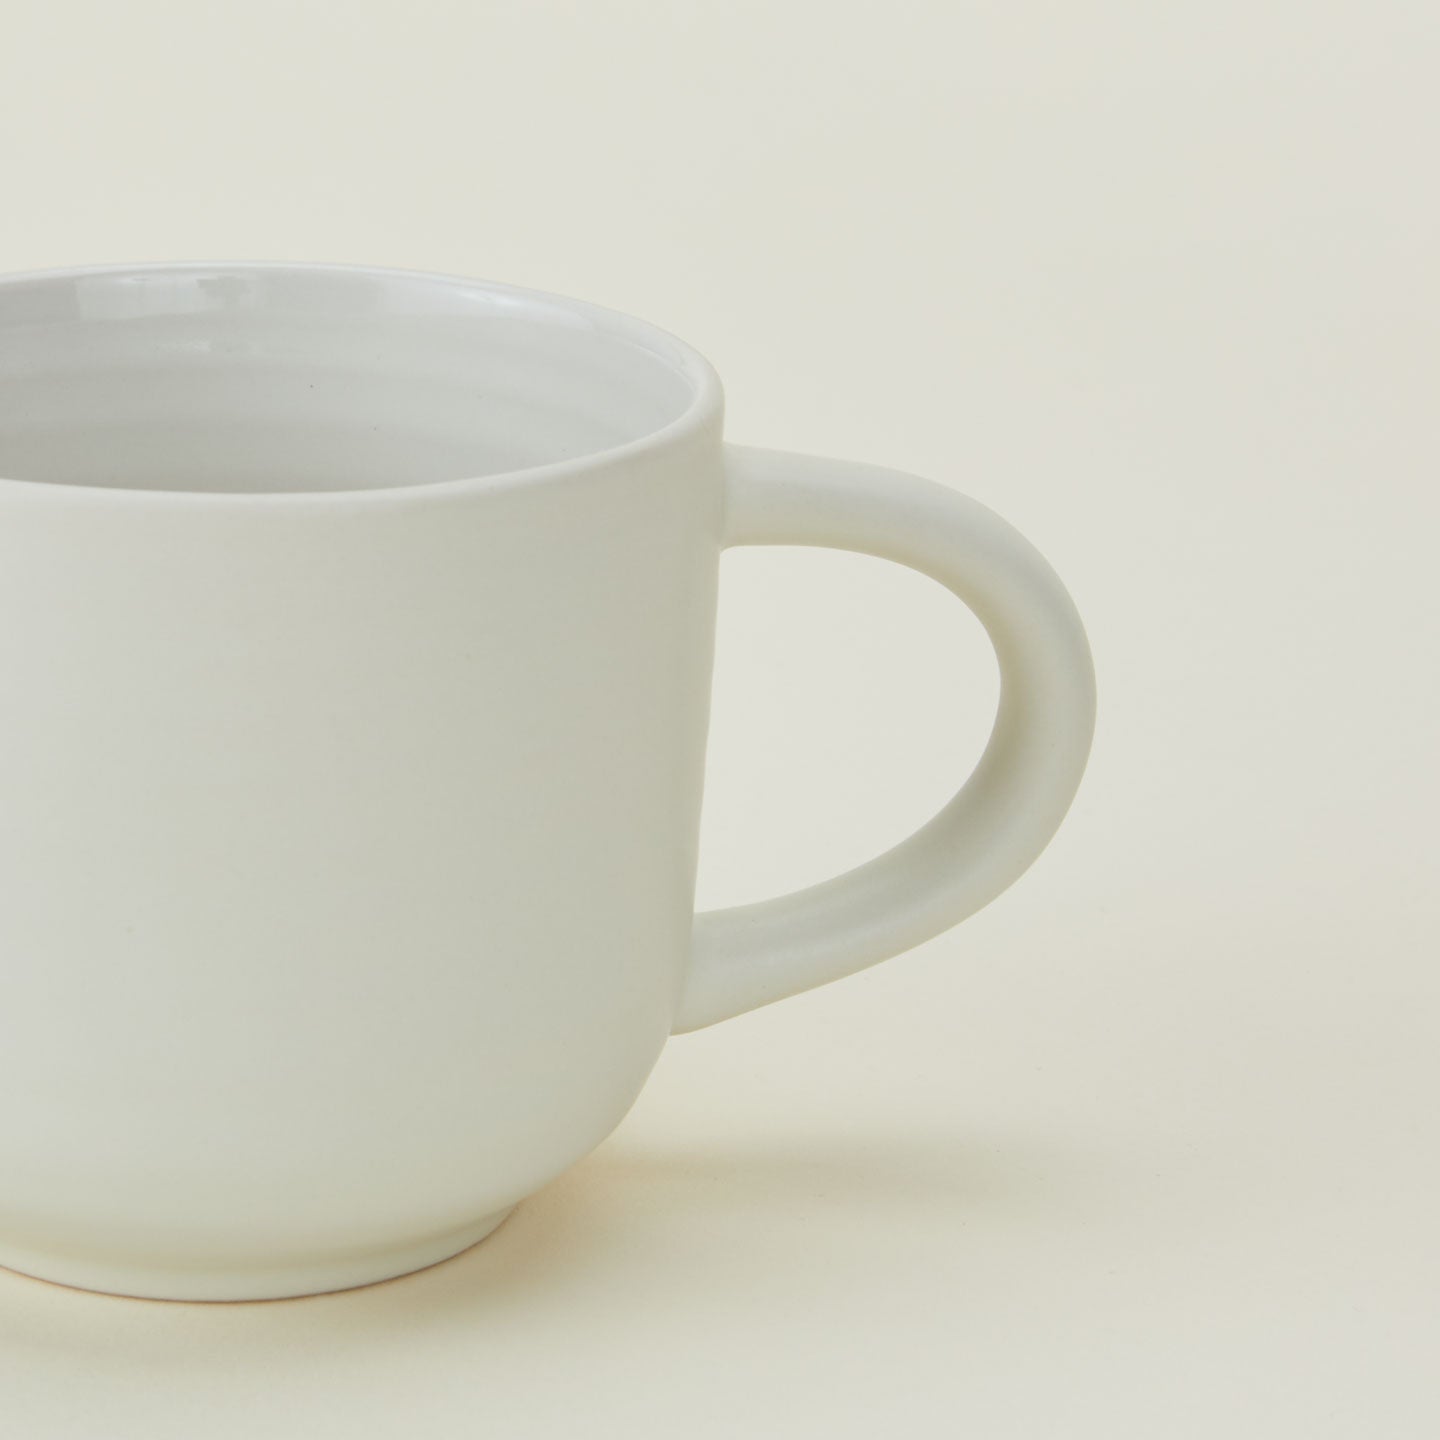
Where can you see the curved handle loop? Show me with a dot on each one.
(1008, 809)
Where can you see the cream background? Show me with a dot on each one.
(1149, 1148)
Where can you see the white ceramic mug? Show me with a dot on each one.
(355, 649)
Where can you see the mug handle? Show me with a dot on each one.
(1004, 814)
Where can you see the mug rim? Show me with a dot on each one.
(704, 406)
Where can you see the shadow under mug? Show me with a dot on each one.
(355, 648)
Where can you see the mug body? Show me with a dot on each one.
(355, 645)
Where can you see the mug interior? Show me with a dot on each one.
(276, 378)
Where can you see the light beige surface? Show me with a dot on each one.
(1147, 1149)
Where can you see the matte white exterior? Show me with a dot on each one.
(355, 644)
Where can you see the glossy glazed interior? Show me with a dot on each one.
(261, 378)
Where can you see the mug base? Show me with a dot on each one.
(252, 1283)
